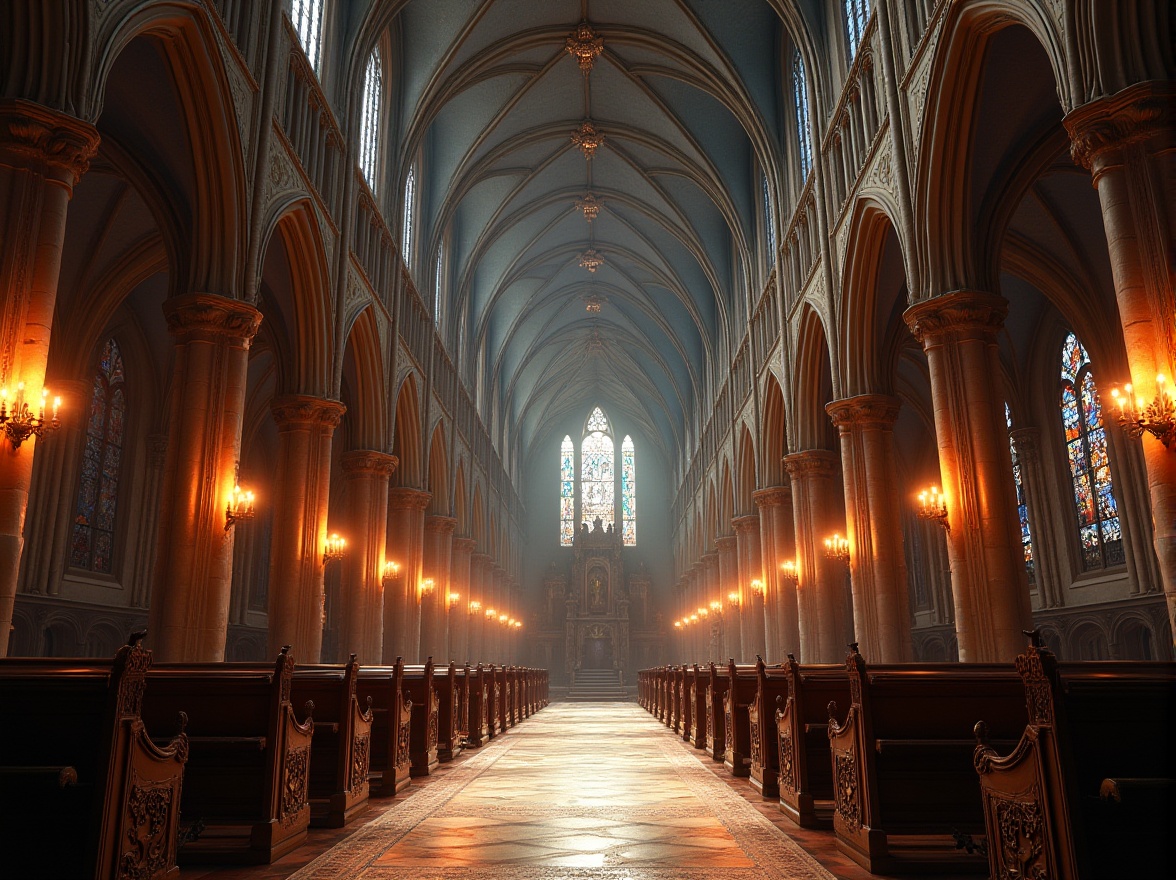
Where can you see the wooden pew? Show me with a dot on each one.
(505, 718)
(642, 687)
(419, 685)
(341, 749)
(494, 708)
(86, 793)
(1089, 789)
(903, 782)
(736, 727)
(771, 690)
(689, 675)
(674, 713)
(448, 684)
(803, 758)
(697, 697)
(247, 778)
(515, 696)
(716, 693)
(389, 760)
(480, 689)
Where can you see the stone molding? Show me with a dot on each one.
(206, 317)
(404, 498)
(443, 524)
(772, 496)
(961, 313)
(747, 523)
(368, 461)
(725, 543)
(1138, 113)
(45, 139)
(868, 411)
(465, 545)
(812, 463)
(295, 411)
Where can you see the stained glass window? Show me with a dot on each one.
(567, 492)
(628, 493)
(857, 13)
(409, 199)
(1099, 532)
(307, 18)
(92, 541)
(1022, 504)
(369, 120)
(804, 135)
(437, 284)
(596, 471)
(769, 221)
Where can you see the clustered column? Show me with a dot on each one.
(361, 625)
(777, 544)
(751, 601)
(405, 546)
(728, 584)
(460, 613)
(435, 601)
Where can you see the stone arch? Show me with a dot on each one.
(363, 372)
(439, 502)
(813, 381)
(460, 502)
(726, 511)
(1134, 639)
(773, 442)
(747, 481)
(406, 442)
(1088, 641)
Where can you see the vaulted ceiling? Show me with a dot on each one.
(686, 97)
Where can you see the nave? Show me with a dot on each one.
(580, 790)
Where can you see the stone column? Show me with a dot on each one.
(777, 545)
(302, 484)
(710, 591)
(189, 614)
(405, 546)
(1050, 592)
(43, 155)
(361, 625)
(958, 332)
(729, 583)
(1127, 141)
(881, 603)
(435, 602)
(461, 616)
(751, 603)
(497, 633)
(820, 590)
(478, 593)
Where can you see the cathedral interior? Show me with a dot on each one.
(588, 336)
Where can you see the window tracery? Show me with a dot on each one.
(409, 202)
(857, 13)
(1022, 504)
(804, 135)
(628, 493)
(369, 122)
(769, 221)
(307, 18)
(596, 471)
(567, 492)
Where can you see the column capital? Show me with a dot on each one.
(710, 558)
(46, 140)
(480, 559)
(368, 461)
(404, 498)
(465, 545)
(747, 523)
(1139, 113)
(968, 313)
(811, 463)
(878, 411)
(210, 318)
(772, 496)
(295, 411)
(443, 524)
(725, 543)
(1025, 441)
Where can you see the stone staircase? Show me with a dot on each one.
(597, 686)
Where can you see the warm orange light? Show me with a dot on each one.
(240, 507)
(391, 570)
(757, 586)
(335, 548)
(788, 571)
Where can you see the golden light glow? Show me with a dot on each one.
(837, 547)
(240, 507)
(453, 597)
(1157, 418)
(788, 571)
(475, 606)
(19, 420)
(933, 506)
(335, 548)
(391, 570)
(757, 586)
(490, 612)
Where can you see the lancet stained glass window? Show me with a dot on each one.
(1099, 532)
(437, 285)
(1022, 504)
(92, 541)
(409, 199)
(307, 18)
(596, 471)
(769, 221)
(804, 136)
(369, 120)
(628, 493)
(857, 13)
(567, 492)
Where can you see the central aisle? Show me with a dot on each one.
(591, 790)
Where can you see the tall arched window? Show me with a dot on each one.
(769, 221)
(804, 135)
(628, 493)
(1086, 449)
(596, 471)
(307, 17)
(369, 119)
(92, 541)
(437, 283)
(409, 204)
(1022, 505)
(857, 13)
(567, 492)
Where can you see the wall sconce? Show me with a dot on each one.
(19, 422)
(788, 571)
(933, 506)
(391, 572)
(733, 599)
(503, 618)
(240, 507)
(511, 622)
(518, 624)
(1158, 418)
(677, 624)
(837, 547)
(702, 612)
(475, 606)
(757, 586)
(335, 548)
(453, 597)
(490, 614)
(716, 606)
(694, 618)
(426, 586)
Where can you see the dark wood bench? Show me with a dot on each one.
(86, 793)
(1089, 789)
(689, 676)
(736, 727)
(496, 678)
(389, 761)
(341, 750)
(771, 690)
(448, 685)
(419, 686)
(674, 706)
(503, 698)
(905, 790)
(480, 689)
(716, 693)
(804, 761)
(247, 780)
(697, 698)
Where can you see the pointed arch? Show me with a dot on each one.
(773, 444)
(439, 472)
(479, 520)
(726, 500)
(363, 367)
(814, 382)
(406, 439)
(460, 502)
(746, 470)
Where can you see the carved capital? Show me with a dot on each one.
(866, 411)
(746, 524)
(156, 449)
(368, 461)
(725, 544)
(710, 560)
(773, 496)
(1142, 112)
(1025, 441)
(811, 463)
(403, 498)
(465, 545)
(46, 141)
(965, 313)
(299, 411)
(444, 525)
(208, 318)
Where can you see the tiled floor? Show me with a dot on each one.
(580, 790)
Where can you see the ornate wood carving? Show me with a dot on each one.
(294, 784)
(149, 819)
(846, 789)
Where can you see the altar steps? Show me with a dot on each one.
(597, 686)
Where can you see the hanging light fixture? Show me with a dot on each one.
(837, 547)
(20, 422)
(335, 548)
(1157, 418)
(933, 507)
(789, 572)
(240, 507)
